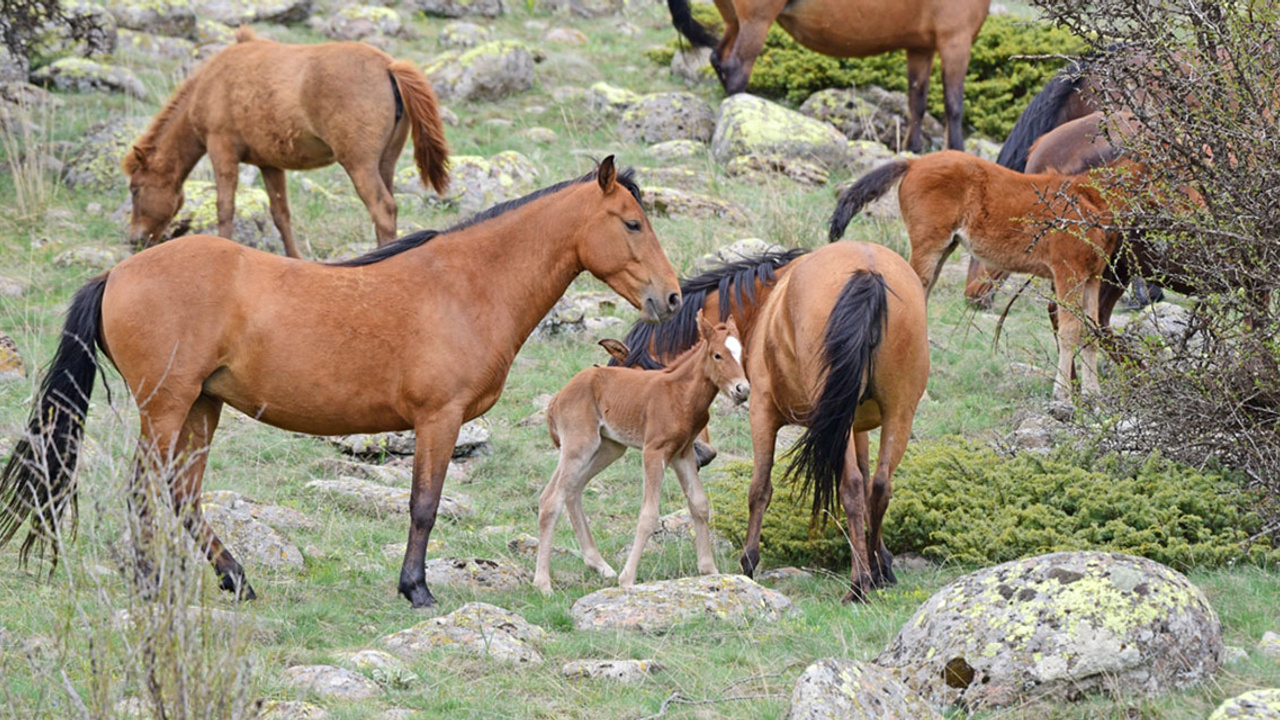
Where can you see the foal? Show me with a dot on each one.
(604, 410)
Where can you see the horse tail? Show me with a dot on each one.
(245, 34)
(868, 189)
(854, 330)
(38, 482)
(685, 24)
(430, 151)
(1041, 115)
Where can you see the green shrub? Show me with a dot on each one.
(961, 501)
(997, 86)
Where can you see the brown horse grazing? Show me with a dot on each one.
(287, 107)
(951, 198)
(852, 28)
(294, 344)
(836, 341)
(604, 410)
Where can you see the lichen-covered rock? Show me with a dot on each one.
(476, 183)
(74, 74)
(11, 287)
(851, 690)
(785, 573)
(154, 47)
(357, 22)
(242, 12)
(475, 573)
(540, 135)
(490, 71)
(327, 681)
(693, 65)
(761, 168)
(660, 117)
(1270, 644)
(85, 30)
(596, 8)
(11, 365)
(94, 163)
(462, 8)
(277, 516)
(737, 251)
(865, 155)
(983, 148)
(13, 68)
(610, 99)
(175, 18)
(461, 34)
(871, 113)
(252, 225)
(1253, 705)
(677, 149)
(681, 178)
(252, 542)
(381, 667)
(478, 628)
(623, 671)
(670, 201)
(291, 710)
(1058, 626)
(658, 606)
(472, 437)
(92, 257)
(749, 125)
(378, 500)
(1231, 654)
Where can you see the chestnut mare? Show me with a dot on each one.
(287, 107)
(837, 341)
(417, 334)
(851, 28)
(951, 198)
(604, 410)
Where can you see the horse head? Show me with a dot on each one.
(724, 358)
(155, 194)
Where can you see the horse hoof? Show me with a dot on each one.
(419, 596)
(749, 563)
(704, 453)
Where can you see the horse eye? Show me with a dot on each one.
(718, 356)
(632, 225)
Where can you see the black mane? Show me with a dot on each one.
(736, 283)
(626, 178)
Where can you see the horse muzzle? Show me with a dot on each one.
(660, 310)
(739, 392)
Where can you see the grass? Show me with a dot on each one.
(344, 598)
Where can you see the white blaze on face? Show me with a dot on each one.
(735, 348)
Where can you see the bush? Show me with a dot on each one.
(957, 500)
(996, 90)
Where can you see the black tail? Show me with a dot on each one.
(38, 482)
(854, 331)
(686, 25)
(868, 189)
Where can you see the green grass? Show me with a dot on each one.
(345, 598)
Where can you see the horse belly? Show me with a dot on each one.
(852, 28)
(308, 409)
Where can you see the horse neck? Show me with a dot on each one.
(687, 377)
(177, 146)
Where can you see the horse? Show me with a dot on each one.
(604, 410)
(851, 28)
(835, 340)
(951, 198)
(287, 107)
(297, 345)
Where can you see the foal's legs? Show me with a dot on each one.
(606, 454)
(686, 467)
(226, 176)
(1069, 288)
(765, 422)
(436, 436)
(377, 197)
(655, 462)
(278, 194)
(580, 460)
(919, 67)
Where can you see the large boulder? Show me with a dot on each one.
(84, 30)
(380, 500)
(461, 34)
(252, 225)
(872, 113)
(1058, 626)
(462, 8)
(176, 18)
(331, 682)
(358, 22)
(475, 574)
(749, 125)
(670, 201)
(658, 606)
(253, 542)
(668, 116)
(248, 12)
(851, 690)
(75, 74)
(490, 71)
(477, 628)
(154, 47)
(477, 183)
(94, 163)
(1253, 705)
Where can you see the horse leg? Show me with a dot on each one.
(605, 455)
(686, 467)
(881, 558)
(1068, 289)
(765, 422)
(549, 505)
(655, 461)
(226, 176)
(930, 248)
(702, 447)
(853, 497)
(1089, 353)
(895, 433)
(753, 27)
(730, 15)
(955, 63)
(919, 66)
(278, 195)
(436, 436)
(377, 199)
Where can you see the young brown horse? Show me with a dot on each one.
(604, 410)
(951, 198)
(417, 334)
(852, 28)
(836, 341)
(287, 107)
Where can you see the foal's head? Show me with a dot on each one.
(616, 244)
(723, 358)
(155, 194)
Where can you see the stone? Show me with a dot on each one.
(565, 36)
(736, 251)
(291, 710)
(693, 65)
(478, 628)
(461, 34)
(476, 183)
(85, 30)
(262, 629)
(596, 8)
(677, 149)
(784, 573)
(13, 68)
(462, 8)
(381, 667)
(540, 135)
(610, 99)
(1270, 644)
(865, 156)
(490, 71)
(252, 225)
(92, 257)
(152, 46)
(658, 606)
(331, 682)
(74, 74)
(174, 18)
(847, 689)
(623, 671)
(748, 125)
(11, 287)
(1164, 322)
(1057, 627)
(11, 365)
(983, 148)
(660, 117)
(358, 22)
(278, 517)
(1231, 654)
(378, 500)
(1035, 433)
(871, 113)
(212, 32)
(472, 436)
(680, 178)
(476, 574)
(249, 12)
(383, 474)
(252, 542)
(1253, 705)
(670, 201)
(761, 168)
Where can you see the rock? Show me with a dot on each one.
(658, 606)
(749, 125)
(680, 178)
(384, 474)
(291, 710)
(174, 18)
(760, 168)
(327, 681)
(564, 318)
(85, 30)
(540, 135)
(478, 628)
(839, 688)
(462, 8)
(1231, 654)
(670, 201)
(11, 365)
(212, 32)
(249, 12)
(596, 8)
(94, 163)
(155, 47)
(870, 114)
(693, 65)
(1270, 644)
(785, 573)
(623, 671)
(252, 542)
(1035, 433)
(472, 436)
(1165, 322)
(462, 34)
(379, 500)
(738, 250)
(476, 183)
(865, 156)
(278, 517)
(252, 225)
(660, 117)
(381, 667)
(476, 573)
(11, 287)
(677, 149)
(357, 22)
(983, 148)
(13, 68)
(263, 629)
(75, 74)
(1056, 627)
(490, 71)
(610, 99)
(1253, 705)
(90, 256)
(565, 36)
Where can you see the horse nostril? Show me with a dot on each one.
(673, 301)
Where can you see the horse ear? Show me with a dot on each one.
(617, 349)
(607, 174)
(134, 160)
(733, 326)
(705, 328)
